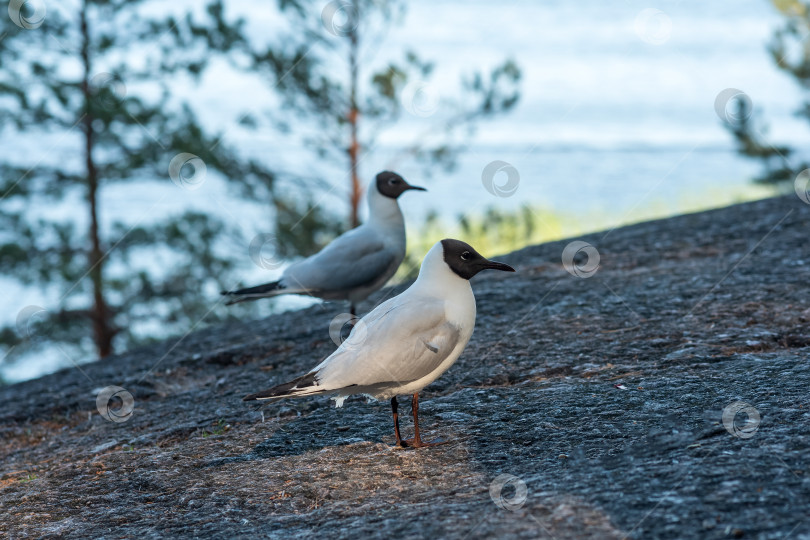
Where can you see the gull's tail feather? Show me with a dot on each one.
(306, 385)
(254, 293)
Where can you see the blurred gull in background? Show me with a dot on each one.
(356, 263)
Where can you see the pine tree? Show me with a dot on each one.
(86, 103)
(321, 70)
(790, 49)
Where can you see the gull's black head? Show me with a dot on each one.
(465, 261)
(393, 185)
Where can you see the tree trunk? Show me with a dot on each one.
(100, 314)
(354, 117)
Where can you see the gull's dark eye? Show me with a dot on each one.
(394, 181)
(465, 255)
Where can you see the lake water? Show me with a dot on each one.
(616, 115)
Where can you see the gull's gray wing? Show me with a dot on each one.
(354, 259)
(397, 343)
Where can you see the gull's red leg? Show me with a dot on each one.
(416, 442)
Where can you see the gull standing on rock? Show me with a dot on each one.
(356, 263)
(406, 342)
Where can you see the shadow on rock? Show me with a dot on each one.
(354, 423)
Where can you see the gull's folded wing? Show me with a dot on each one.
(352, 260)
(397, 343)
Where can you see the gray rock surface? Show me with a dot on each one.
(602, 397)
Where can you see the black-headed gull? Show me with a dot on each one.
(356, 263)
(406, 342)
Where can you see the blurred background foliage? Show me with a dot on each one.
(790, 50)
(341, 104)
(126, 124)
